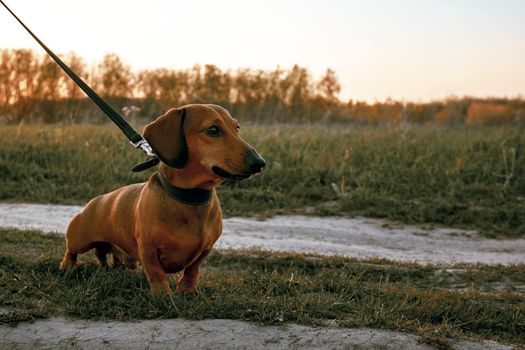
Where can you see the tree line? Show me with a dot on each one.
(34, 89)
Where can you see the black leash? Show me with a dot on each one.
(136, 140)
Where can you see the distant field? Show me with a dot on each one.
(465, 177)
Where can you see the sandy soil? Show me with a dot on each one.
(328, 236)
(359, 237)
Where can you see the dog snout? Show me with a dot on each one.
(254, 162)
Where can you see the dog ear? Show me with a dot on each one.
(166, 137)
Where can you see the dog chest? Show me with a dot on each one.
(177, 256)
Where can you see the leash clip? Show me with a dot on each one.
(144, 145)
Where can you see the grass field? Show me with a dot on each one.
(466, 177)
(435, 302)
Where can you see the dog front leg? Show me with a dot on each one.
(157, 277)
(188, 280)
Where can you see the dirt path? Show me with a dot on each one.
(59, 333)
(360, 237)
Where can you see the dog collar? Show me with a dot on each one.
(190, 196)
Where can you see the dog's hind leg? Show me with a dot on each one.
(119, 258)
(70, 257)
(69, 261)
(101, 251)
(78, 241)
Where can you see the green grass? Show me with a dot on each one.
(475, 301)
(471, 178)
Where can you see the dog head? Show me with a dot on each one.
(201, 143)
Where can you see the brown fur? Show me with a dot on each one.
(142, 223)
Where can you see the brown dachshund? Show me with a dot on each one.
(169, 223)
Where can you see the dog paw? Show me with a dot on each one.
(186, 288)
(158, 288)
(67, 265)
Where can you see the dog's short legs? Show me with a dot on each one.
(188, 280)
(101, 251)
(157, 277)
(77, 242)
(115, 261)
(119, 258)
(72, 250)
(121, 262)
(69, 261)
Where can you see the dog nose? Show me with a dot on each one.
(254, 162)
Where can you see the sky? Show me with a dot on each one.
(409, 50)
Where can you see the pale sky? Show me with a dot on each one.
(411, 50)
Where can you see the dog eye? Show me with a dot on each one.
(214, 130)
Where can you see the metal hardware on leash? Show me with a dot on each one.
(136, 139)
(144, 145)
